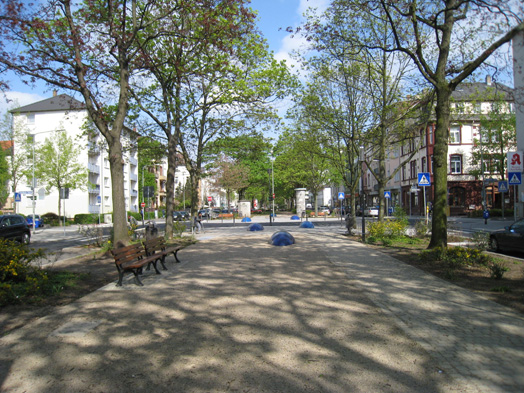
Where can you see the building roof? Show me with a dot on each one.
(7, 147)
(4, 145)
(61, 102)
(482, 91)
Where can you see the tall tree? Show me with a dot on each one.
(88, 48)
(210, 69)
(447, 40)
(57, 165)
(252, 151)
(231, 176)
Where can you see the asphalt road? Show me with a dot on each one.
(62, 243)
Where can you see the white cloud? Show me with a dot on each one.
(320, 5)
(295, 41)
(12, 99)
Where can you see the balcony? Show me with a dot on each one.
(93, 148)
(94, 189)
(94, 209)
(133, 177)
(133, 161)
(134, 193)
(93, 168)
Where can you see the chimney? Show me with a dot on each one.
(54, 93)
(488, 80)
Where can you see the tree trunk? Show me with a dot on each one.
(170, 184)
(439, 237)
(116, 167)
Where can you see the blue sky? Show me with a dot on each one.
(274, 16)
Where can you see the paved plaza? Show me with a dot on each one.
(240, 315)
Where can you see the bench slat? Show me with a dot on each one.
(133, 258)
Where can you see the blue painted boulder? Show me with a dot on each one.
(246, 219)
(295, 217)
(282, 238)
(307, 224)
(255, 227)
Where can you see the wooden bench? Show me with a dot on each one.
(133, 258)
(157, 247)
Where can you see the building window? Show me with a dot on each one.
(457, 196)
(430, 169)
(404, 172)
(30, 118)
(459, 107)
(431, 131)
(423, 164)
(456, 164)
(454, 134)
(477, 108)
(413, 169)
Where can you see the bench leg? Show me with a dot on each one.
(137, 278)
(120, 277)
(154, 265)
(177, 260)
(162, 261)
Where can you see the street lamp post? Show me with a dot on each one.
(32, 136)
(273, 187)
(143, 196)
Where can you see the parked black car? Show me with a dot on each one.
(511, 238)
(14, 227)
(184, 215)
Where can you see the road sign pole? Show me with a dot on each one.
(425, 207)
(514, 202)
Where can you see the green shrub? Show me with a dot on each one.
(421, 228)
(388, 229)
(457, 256)
(371, 239)
(136, 215)
(497, 270)
(84, 219)
(481, 240)
(178, 228)
(401, 215)
(377, 229)
(18, 278)
(387, 242)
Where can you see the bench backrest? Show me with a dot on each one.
(129, 253)
(154, 244)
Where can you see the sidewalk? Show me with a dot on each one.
(323, 315)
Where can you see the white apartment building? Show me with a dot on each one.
(62, 113)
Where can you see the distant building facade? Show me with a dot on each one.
(62, 113)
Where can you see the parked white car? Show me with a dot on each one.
(324, 209)
(371, 211)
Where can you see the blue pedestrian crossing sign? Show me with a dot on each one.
(503, 186)
(515, 178)
(341, 195)
(424, 179)
(387, 194)
(18, 197)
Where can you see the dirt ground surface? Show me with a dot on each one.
(508, 291)
(100, 270)
(236, 315)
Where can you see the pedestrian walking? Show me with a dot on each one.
(197, 223)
